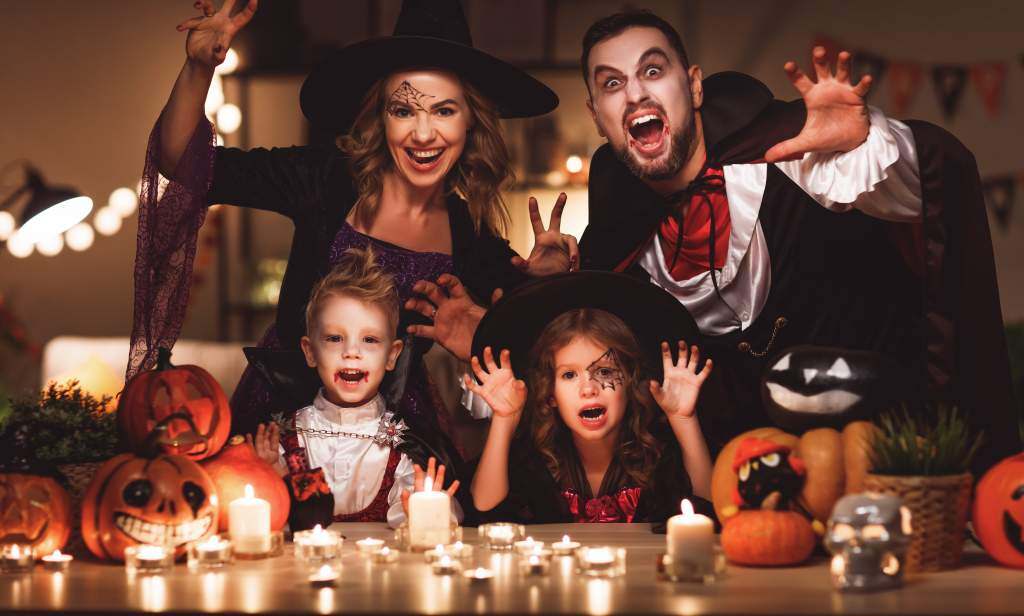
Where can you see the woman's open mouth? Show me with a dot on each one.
(593, 417)
(351, 377)
(424, 160)
(648, 132)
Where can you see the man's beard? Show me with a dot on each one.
(680, 150)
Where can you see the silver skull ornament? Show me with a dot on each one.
(868, 536)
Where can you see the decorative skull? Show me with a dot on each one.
(868, 536)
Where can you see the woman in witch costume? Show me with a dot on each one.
(601, 441)
(415, 174)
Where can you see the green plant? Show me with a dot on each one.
(63, 424)
(934, 442)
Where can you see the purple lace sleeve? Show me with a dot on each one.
(170, 214)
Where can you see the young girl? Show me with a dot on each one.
(603, 443)
(346, 457)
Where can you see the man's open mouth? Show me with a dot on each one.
(424, 158)
(647, 130)
(351, 375)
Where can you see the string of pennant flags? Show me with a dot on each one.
(904, 79)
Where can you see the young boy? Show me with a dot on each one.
(343, 455)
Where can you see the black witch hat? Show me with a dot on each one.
(429, 34)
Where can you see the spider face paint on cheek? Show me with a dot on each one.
(405, 95)
(605, 371)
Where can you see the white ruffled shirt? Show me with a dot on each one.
(880, 178)
(354, 467)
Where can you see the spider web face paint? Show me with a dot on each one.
(605, 371)
(407, 96)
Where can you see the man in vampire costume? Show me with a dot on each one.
(858, 232)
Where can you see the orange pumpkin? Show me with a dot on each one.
(179, 409)
(166, 500)
(998, 515)
(835, 462)
(36, 510)
(764, 537)
(237, 465)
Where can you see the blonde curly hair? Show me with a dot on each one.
(359, 276)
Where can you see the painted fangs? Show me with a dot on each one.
(155, 533)
(643, 119)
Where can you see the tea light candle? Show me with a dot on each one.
(385, 556)
(534, 565)
(479, 574)
(460, 550)
(690, 541)
(324, 576)
(148, 559)
(445, 565)
(317, 544)
(16, 558)
(214, 551)
(528, 545)
(249, 523)
(601, 561)
(429, 517)
(500, 535)
(57, 562)
(369, 545)
(434, 554)
(565, 547)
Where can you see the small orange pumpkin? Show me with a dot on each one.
(764, 537)
(180, 409)
(237, 465)
(36, 510)
(166, 500)
(998, 515)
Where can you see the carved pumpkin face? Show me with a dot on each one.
(34, 510)
(168, 500)
(181, 409)
(999, 511)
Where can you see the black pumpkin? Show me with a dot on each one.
(807, 387)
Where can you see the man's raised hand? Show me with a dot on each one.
(553, 251)
(837, 118)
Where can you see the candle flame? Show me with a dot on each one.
(385, 550)
(318, 529)
(428, 484)
(687, 507)
(565, 538)
(249, 493)
(55, 554)
(15, 551)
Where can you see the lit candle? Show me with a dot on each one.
(16, 558)
(213, 551)
(479, 574)
(534, 565)
(429, 517)
(690, 540)
(324, 576)
(369, 545)
(565, 547)
(249, 523)
(445, 565)
(601, 561)
(57, 562)
(317, 544)
(385, 555)
(148, 558)
(528, 545)
(500, 535)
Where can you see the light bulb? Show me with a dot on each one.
(229, 118)
(51, 245)
(214, 96)
(7, 224)
(80, 237)
(107, 221)
(123, 201)
(20, 245)
(229, 64)
(574, 164)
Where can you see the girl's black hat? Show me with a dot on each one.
(428, 34)
(517, 319)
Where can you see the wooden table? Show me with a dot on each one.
(279, 585)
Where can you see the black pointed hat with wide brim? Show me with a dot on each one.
(428, 34)
(516, 321)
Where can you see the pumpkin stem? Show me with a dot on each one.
(163, 359)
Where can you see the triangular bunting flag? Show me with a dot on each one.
(949, 81)
(999, 197)
(867, 63)
(988, 79)
(904, 78)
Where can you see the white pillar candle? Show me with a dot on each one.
(429, 517)
(249, 523)
(690, 538)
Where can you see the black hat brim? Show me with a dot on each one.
(516, 321)
(333, 93)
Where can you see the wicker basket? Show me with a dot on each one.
(78, 476)
(939, 507)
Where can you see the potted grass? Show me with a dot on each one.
(925, 459)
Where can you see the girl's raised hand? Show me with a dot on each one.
(210, 35)
(677, 395)
(499, 387)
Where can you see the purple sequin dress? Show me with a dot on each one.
(254, 401)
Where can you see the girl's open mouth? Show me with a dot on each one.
(593, 416)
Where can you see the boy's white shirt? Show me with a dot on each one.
(354, 467)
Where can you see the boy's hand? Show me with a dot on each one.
(436, 481)
(266, 443)
(677, 395)
(503, 392)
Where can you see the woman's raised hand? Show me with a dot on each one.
(677, 395)
(210, 35)
(499, 387)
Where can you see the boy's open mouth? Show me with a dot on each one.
(351, 375)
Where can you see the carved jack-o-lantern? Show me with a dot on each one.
(179, 409)
(34, 510)
(167, 500)
(999, 511)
